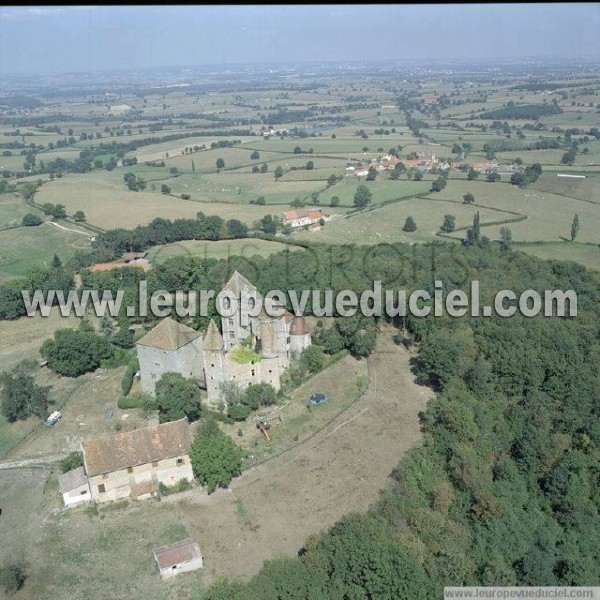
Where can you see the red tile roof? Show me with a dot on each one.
(138, 447)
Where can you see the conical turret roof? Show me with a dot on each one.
(213, 340)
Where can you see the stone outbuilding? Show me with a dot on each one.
(74, 487)
(178, 558)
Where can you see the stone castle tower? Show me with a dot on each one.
(258, 351)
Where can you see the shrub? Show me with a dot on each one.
(12, 577)
(239, 412)
(70, 462)
(127, 380)
(30, 220)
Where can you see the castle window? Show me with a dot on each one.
(253, 373)
(130, 469)
(231, 334)
(226, 303)
(270, 371)
(212, 364)
(179, 462)
(101, 488)
(155, 463)
(231, 321)
(251, 303)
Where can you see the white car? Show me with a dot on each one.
(53, 419)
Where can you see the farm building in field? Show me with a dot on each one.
(132, 464)
(74, 487)
(301, 218)
(178, 558)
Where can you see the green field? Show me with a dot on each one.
(12, 209)
(221, 249)
(27, 247)
(587, 255)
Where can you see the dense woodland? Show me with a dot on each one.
(504, 490)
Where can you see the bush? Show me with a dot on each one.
(30, 220)
(70, 462)
(127, 380)
(12, 577)
(239, 412)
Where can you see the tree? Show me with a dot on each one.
(79, 216)
(410, 224)
(73, 352)
(312, 359)
(259, 394)
(574, 227)
(278, 172)
(335, 201)
(438, 185)
(449, 223)
(362, 196)
(310, 165)
(165, 189)
(264, 168)
(236, 229)
(493, 176)
(21, 396)
(177, 397)
(255, 155)
(505, 238)
(268, 224)
(30, 220)
(220, 164)
(474, 233)
(418, 176)
(331, 180)
(569, 157)
(215, 457)
(472, 174)
(468, 198)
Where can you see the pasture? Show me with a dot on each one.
(107, 202)
(26, 248)
(246, 248)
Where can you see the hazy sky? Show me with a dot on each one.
(59, 39)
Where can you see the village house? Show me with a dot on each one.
(134, 463)
(178, 558)
(301, 218)
(74, 487)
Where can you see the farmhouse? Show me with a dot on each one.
(301, 218)
(178, 558)
(245, 353)
(74, 487)
(132, 464)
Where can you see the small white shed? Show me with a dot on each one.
(178, 558)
